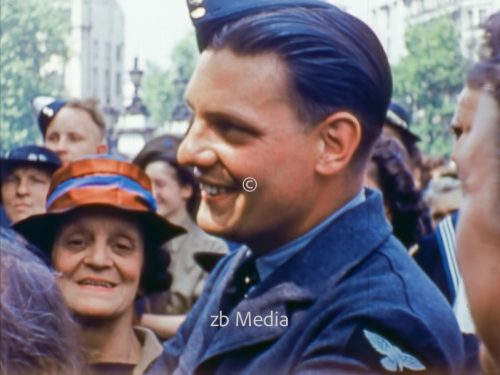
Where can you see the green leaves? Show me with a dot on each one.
(164, 88)
(429, 79)
(33, 50)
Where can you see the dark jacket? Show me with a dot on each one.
(353, 299)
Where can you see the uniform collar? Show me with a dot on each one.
(322, 265)
(268, 263)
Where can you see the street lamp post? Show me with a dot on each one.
(180, 115)
(134, 128)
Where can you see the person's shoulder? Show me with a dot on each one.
(390, 312)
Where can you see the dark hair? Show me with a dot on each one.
(487, 70)
(164, 148)
(410, 218)
(37, 334)
(334, 62)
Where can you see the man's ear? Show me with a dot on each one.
(339, 137)
(102, 148)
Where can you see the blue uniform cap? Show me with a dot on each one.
(31, 155)
(209, 15)
(45, 109)
(400, 117)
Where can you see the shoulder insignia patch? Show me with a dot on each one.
(395, 359)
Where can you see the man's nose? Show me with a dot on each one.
(61, 145)
(22, 187)
(198, 148)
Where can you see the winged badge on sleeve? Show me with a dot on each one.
(395, 359)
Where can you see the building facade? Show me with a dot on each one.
(390, 19)
(96, 66)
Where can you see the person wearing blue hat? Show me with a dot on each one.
(397, 125)
(26, 173)
(102, 235)
(287, 101)
(71, 128)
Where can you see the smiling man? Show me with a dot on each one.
(295, 97)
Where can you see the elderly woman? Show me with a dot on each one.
(103, 237)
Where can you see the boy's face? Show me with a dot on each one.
(73, 134)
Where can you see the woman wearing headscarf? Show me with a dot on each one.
(102, 236)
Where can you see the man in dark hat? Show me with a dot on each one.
(288, 99)
(26, 173)
(397, 125)
(71, 128)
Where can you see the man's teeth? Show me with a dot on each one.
(215, 190)
(97, 283)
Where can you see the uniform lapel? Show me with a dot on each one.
(299, 282)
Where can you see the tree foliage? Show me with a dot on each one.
(164, 88)
(34, 48)
(429, 79)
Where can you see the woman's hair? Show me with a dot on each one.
(409, 214)
(487, 70)
(38, 334)
(164, 148)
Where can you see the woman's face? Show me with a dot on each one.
(100, 257)
(171, 197)
(478, 234)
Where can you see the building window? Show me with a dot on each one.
(118, 53)
(108, 53)
(482, 15)
(118, 84)
(95, 80)
(107, 86)
(96, 49)
(470, 14)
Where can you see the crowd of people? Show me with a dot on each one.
(352, 254)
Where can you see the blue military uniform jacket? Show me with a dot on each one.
(354, 301)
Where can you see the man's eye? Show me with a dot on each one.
(52, 137)
(232, 131)
(9, 179)
(75, 137)
(457, 132)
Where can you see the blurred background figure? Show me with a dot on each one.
(72, 128)
(397, 125)
(443, 196)
(478, 234)
(404, 207)
(38, 334)
(25, 180)
(101, 233)
(177, 194)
